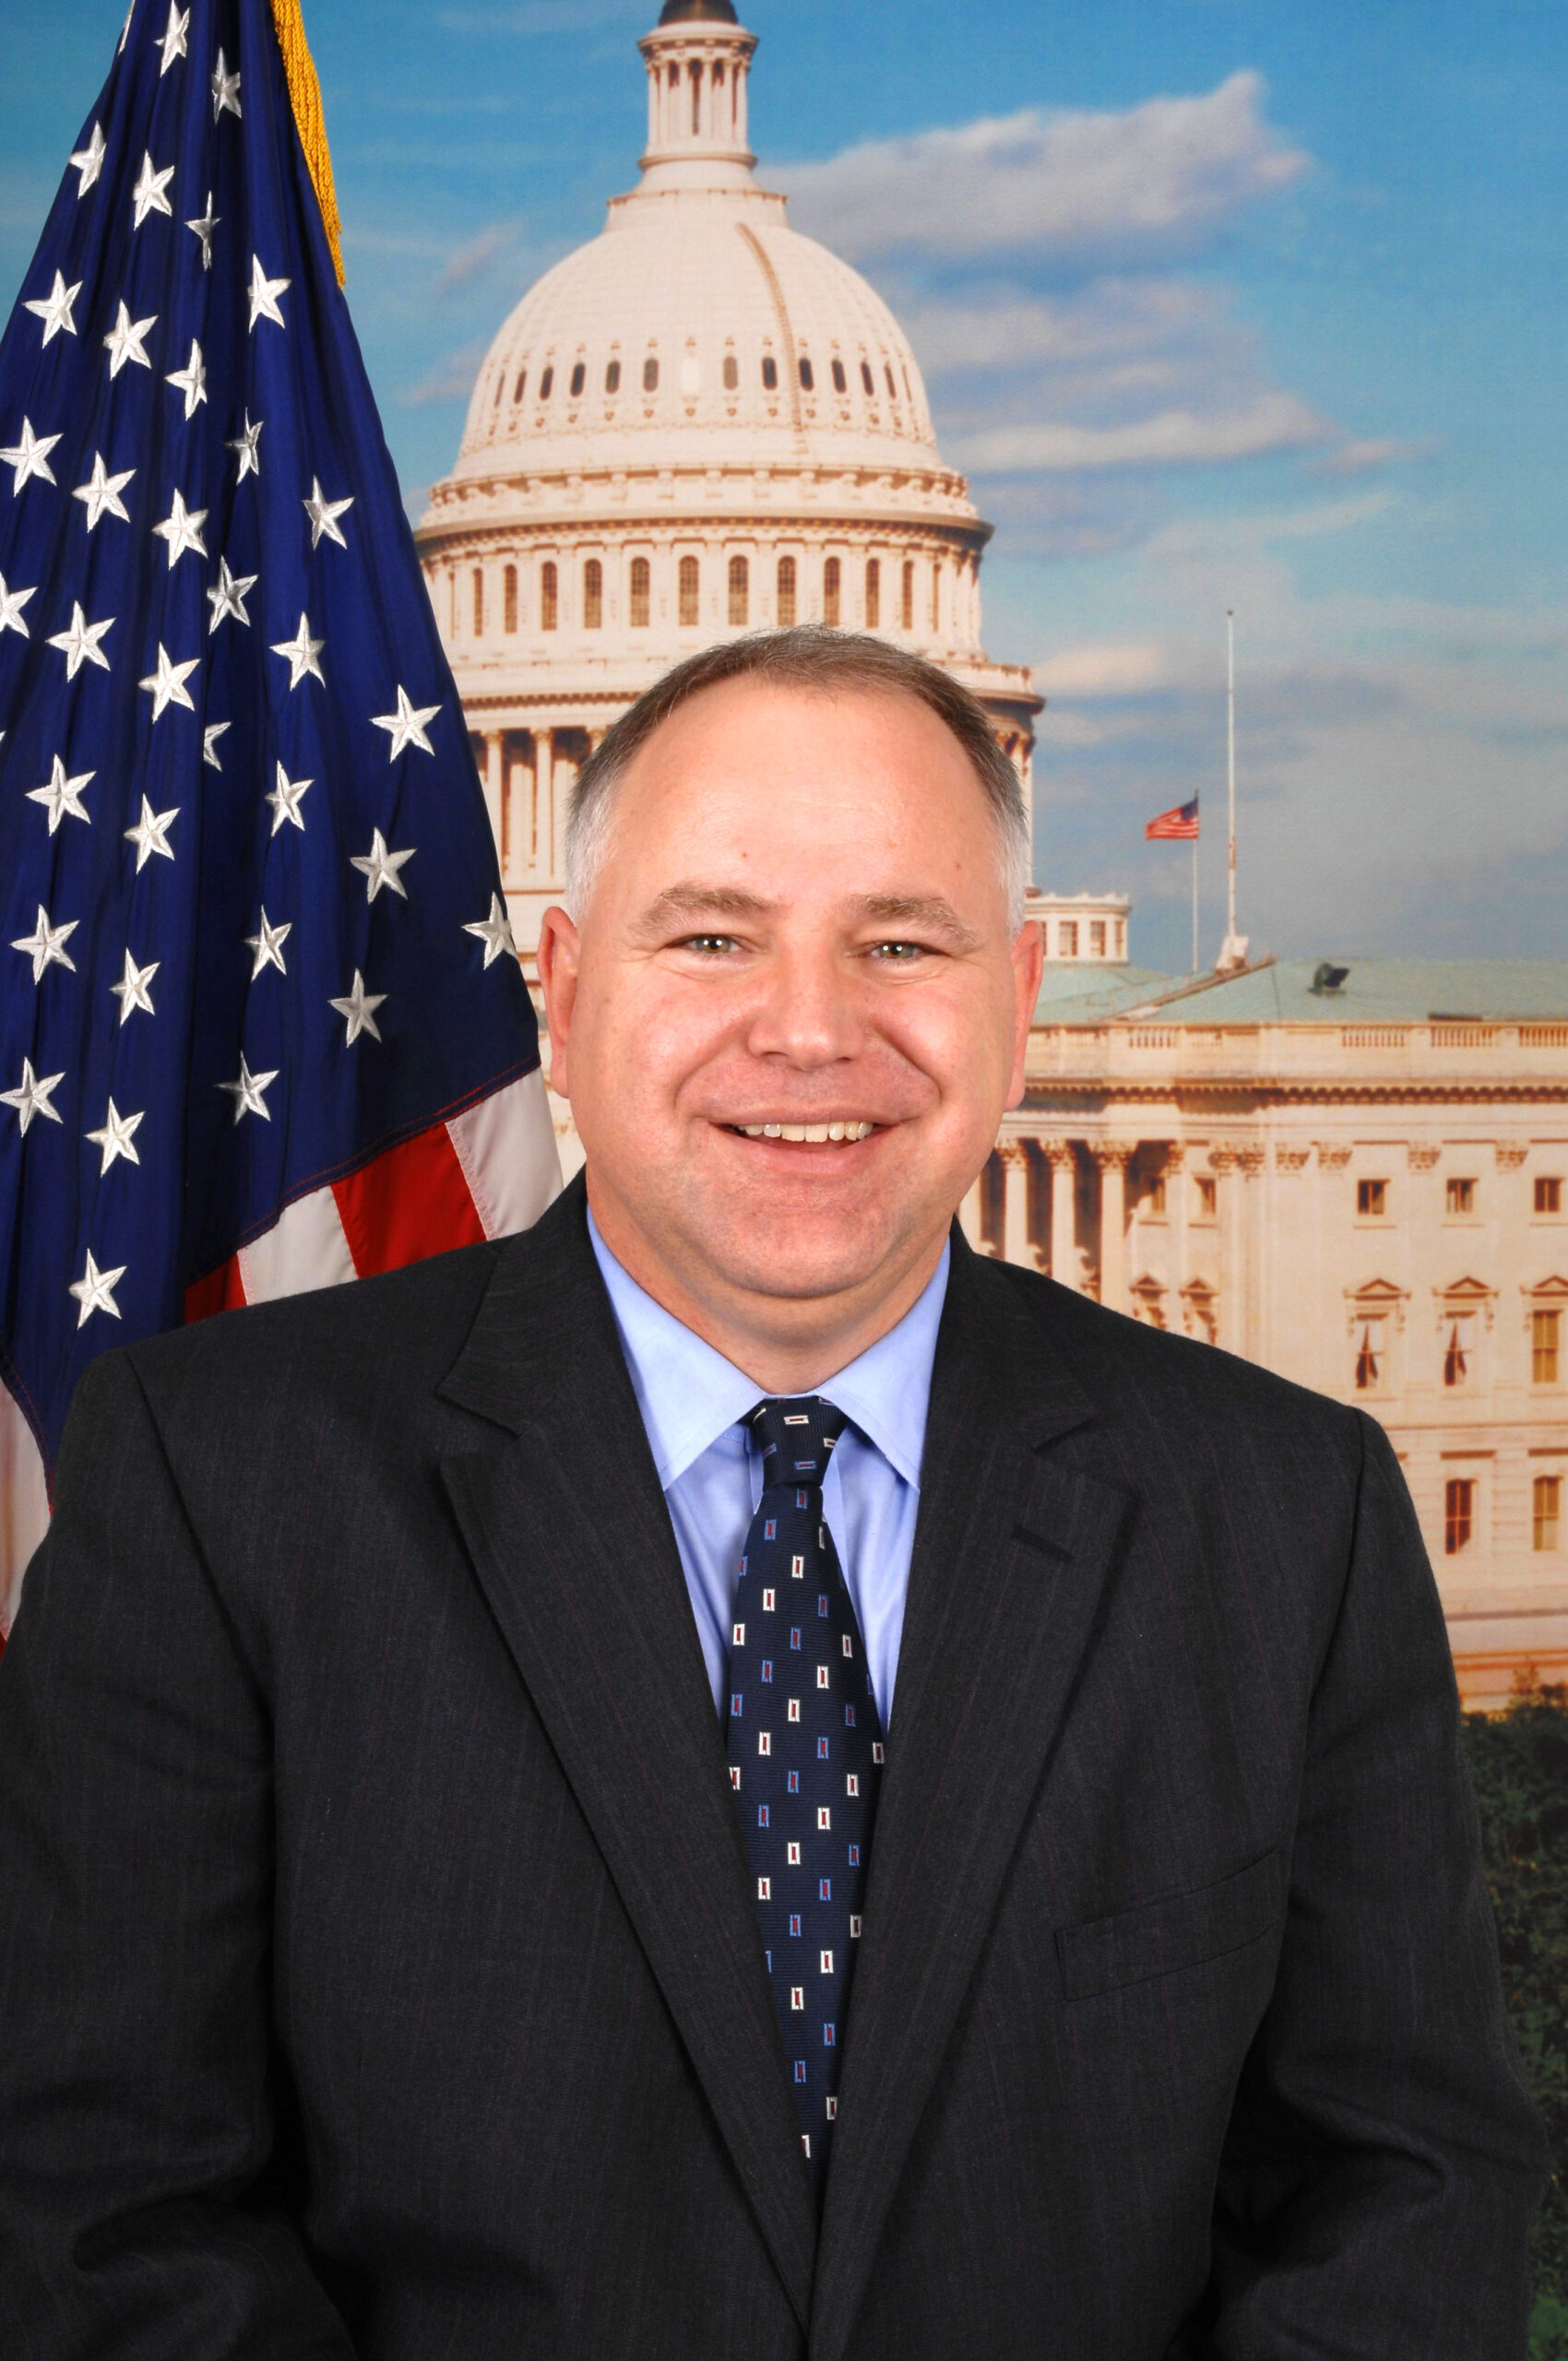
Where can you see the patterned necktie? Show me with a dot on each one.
(806, 1754)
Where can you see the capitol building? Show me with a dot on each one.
(1353, 1172)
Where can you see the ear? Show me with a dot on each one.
(1028, 964)
(558, 955)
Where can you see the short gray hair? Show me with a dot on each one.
(814, 658)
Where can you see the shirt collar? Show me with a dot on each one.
(689, 1393)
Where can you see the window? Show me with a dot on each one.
(509, 605)
(1547, 1505)
(612, 378)
(1548, 1193)
(1097, 938)
(936, 595)
(641, 579)
(688, 590)
(479, 602)
(1546, 1337)
(500, 388)
(891, 386)
(549, 595)
(1458, 1513)
(786, 592)
(697, 98)
(907, 387)
(1206, 1197)
(521, 388)
(841, 383)
(1461, 1197)
(547, 384)
(873, 593)
(769, 374)
(579, 379)
(451, 605)
(650, 374)
(867, 380)
(739, 590)
(1372, 1200)
(1368, 1358)
(593, 596)
(832, 582)
(1457, 1352)
(906, 610)
(1067, 939)
(1154, 1201)
(807, 381)
(731, 373)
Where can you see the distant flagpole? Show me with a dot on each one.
(1180, 826)
(1195, 966)
(1233, 951)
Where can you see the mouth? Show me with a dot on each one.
(839, 1134)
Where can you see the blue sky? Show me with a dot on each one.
(1251, 302)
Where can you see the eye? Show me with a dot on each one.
(899, 953)
(708, 946)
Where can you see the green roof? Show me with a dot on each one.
(1086, 991)
(1374, 992)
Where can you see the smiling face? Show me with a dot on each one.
(790, 1016)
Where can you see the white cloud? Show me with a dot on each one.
(1274, 421)
(1131, 668)
(1354, 459)
(476, 255)
(451, 380)
(1152, 179)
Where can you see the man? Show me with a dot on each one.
(728, 1778)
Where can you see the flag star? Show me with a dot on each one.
(228, 598)
(380, 867)
(324, 515)
(302, 652)
(167, 685)
(150, 834)
(209, 737)
(248, 1092)
(285, 800)
(176, 33)
(100, 494)
(95, 1290)
(406, 726)
(30, 457)
(148, 194)
(494, 932)
(245, 445)
(79, 646)
(46, 944)
(359, 1007)
(263, 294)
(54, 309)
(125, 341)
(31, 1096)
(11, 605)
(63, 796)
(191, 380)
(88, 160)
(267, 946)
(225, 91)
(182, 529)
(117, 1137)
(132, 992)
(204, 226)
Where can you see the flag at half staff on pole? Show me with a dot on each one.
(1180, 824)
(262, 1023)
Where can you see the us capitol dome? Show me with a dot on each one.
(700, 424)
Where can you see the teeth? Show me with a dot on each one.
(809, 1134)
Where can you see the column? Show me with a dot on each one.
(969, 1217)
(1064, 1164)
(492, 787)
(1251, 1163)
(1014, 1202)
(1229, 1323)
(1176, 1229)
(1113, 1158)
(544, 799)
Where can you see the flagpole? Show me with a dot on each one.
(1194, 905)
(1230, 760)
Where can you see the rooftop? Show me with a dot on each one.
(1303, 991)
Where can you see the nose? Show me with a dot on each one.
(806, 1012)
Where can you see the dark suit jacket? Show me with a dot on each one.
(379, 1971)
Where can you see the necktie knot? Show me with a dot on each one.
(796, 1435)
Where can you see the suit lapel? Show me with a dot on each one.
(1013, 1552)
(571, 1539)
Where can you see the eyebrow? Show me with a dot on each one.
(930, 911)
(689, 900)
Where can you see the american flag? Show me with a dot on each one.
(1181, 822)
(261, 1026)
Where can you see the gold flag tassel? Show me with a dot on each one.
(304, 91)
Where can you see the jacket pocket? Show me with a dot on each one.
(1177, 1931)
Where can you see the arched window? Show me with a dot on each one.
(907, 387)
(579, 379)
(688, 590)
(831, 590)
(867, 380)
(650, 374)
(479, 602)
(695, 71)
(937, 595)
(786, 592)
(891, 386)
(841, 383)
(547, 384)
(549, 595)
(769, 372)
(500, 388)
(906, 610)
(642, 577)
(521, 388)
(612, 378)
(739, 590)
(873, 593)
(593, 596)
(807, 380)
(731, 373)
(509, 598)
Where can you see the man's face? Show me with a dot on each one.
(799, 919)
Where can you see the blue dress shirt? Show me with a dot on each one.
(692, 1401)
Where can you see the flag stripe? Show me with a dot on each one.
(306, 1248)
(24, 1504)
(411, 1202)
(507, 1147)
